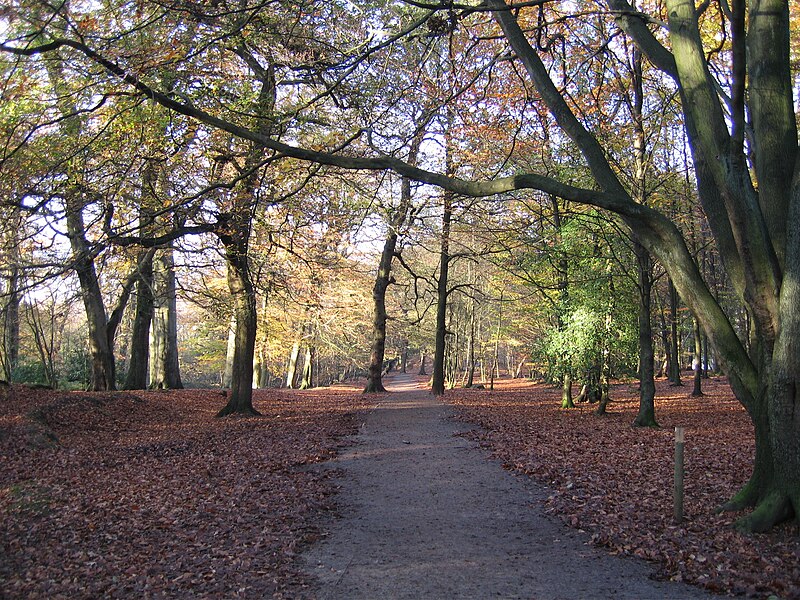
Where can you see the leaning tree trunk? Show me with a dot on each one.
(291, 369)
(100, 349)
(374, 378)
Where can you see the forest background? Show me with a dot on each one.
(202, 193)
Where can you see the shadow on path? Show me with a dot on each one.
(426, 514)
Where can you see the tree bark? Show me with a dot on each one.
(307, 380)
(100, 348)
(697, 360)
(646, 416)
(164, 364)
(291, 370)
(674, 340)
(138, 364)
(230, 349)
(438, 378)
(383, 278)
(240, 400)
(10, 316)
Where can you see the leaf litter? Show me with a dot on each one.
(615, 481)
(147, 494)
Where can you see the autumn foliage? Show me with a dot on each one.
(615, 481)
(137, 494)
(142, 494)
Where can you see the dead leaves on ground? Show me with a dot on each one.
(141, 494)
(615, 481)
(138, 494)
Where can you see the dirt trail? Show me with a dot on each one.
(426, 514)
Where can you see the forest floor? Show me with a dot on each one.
(146, 494)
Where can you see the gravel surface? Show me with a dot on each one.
(425, 513)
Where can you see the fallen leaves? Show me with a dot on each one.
(615, 482)
(137, 494)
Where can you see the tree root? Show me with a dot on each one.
(771, 510)
(746, 497)
(229, 410)
(374, 389)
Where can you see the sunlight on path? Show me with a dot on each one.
(426, 514)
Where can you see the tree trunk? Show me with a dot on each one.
(230, 349)
(100, 349)
(291, 370)
(605, 364)
(422, 371)
(471, 350)
(566, 391)
(697, 360)
(647, 387)
(307, 381)
(675, 348)
(240, 400)
(140, 337)
(438, 379)
(383, 278)
(10, 316)
(164, 365)
(374, 378)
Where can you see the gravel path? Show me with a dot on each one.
(426, 514)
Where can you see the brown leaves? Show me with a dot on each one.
(147, 493)
(615, 481)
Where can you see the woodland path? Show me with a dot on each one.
(427, 514)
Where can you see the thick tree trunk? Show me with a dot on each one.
(100, 349)
(383, 278)
(374, 378)
(240, 400)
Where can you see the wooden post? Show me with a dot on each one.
(678, 495)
